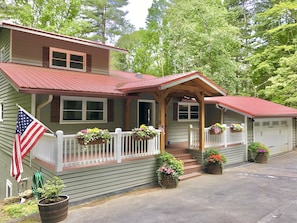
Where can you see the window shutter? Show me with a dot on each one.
(55, 109)
(45, 58)
(89, 63)
(110, 110)
(175, 111)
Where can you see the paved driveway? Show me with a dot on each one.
(249, 193)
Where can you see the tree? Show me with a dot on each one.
(201, 38)
(50, 15)
(276, 33)
(106, 19)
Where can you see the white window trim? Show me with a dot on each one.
(2, 54)
(189, 111)
(8, 185)
(68, 52)
(153, 112)
(84, 100)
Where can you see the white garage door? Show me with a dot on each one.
(274, 133)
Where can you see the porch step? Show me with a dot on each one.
(189, 176)
(191, 168)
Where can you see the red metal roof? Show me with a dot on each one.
(40, 80)
(252, 107)
(168, 81)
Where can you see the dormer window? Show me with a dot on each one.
(71, 60)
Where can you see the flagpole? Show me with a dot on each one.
(31, 116)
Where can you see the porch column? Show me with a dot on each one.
(127, 114)
(200, 99)
(160, 97)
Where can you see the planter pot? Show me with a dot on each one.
(261, 158)
(214, 168)
(168, 182)
(137, 138)
(97, 141)
(53, 212)
(235, 130)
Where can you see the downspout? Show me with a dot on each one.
(49, 100)
(222, 110)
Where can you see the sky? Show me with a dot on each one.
(138, 11)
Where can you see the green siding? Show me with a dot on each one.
(10, 99)
(91, 182)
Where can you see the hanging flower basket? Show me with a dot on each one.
(216, 129)
(144, 133)
(92, 136)
(236, 128)
(94, 142)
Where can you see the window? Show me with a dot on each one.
(188, 111)
(1, 111)
(8, 188)
(77, 110)
(2, 55)
(67, 59)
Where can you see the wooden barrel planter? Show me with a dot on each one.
(168, 182)
(53, 212)
(261, 158)
(214, 168)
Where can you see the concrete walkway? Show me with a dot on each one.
(245, 194)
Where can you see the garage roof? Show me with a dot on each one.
(252, 107)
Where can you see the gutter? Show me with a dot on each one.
(49, 100)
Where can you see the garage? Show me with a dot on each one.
(274, 133)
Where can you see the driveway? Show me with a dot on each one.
(248, 193)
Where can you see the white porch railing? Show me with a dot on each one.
(221, 140)
(64, 151)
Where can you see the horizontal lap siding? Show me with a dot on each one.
(234, 154)
(88, 183)
(26, 42)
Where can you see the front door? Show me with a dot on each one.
(146, 112)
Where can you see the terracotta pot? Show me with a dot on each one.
(53, 212)
(214, 168)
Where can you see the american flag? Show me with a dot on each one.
(28, 132)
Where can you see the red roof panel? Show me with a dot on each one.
(253, 107)
(32, 79)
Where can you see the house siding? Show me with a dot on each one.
(92, 182)
(177, 130)
(74, 128)
(5, 44)
(22, 43)
(10, 98)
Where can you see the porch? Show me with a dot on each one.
(62, 152)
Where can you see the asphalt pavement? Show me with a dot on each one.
(248, 193)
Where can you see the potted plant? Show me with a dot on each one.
(258, 152)
(216, 128)
(144, 132)
(236, 128)
(92, 136)
(169, 170)
(214, 161)
(53, 207)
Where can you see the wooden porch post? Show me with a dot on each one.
(127, 114)
(160, 97)
(200, 98)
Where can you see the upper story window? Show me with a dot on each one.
(188, 111)
(78, 110)
(67, 59)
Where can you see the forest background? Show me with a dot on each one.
(248, 47)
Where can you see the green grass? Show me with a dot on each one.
(13, 211)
